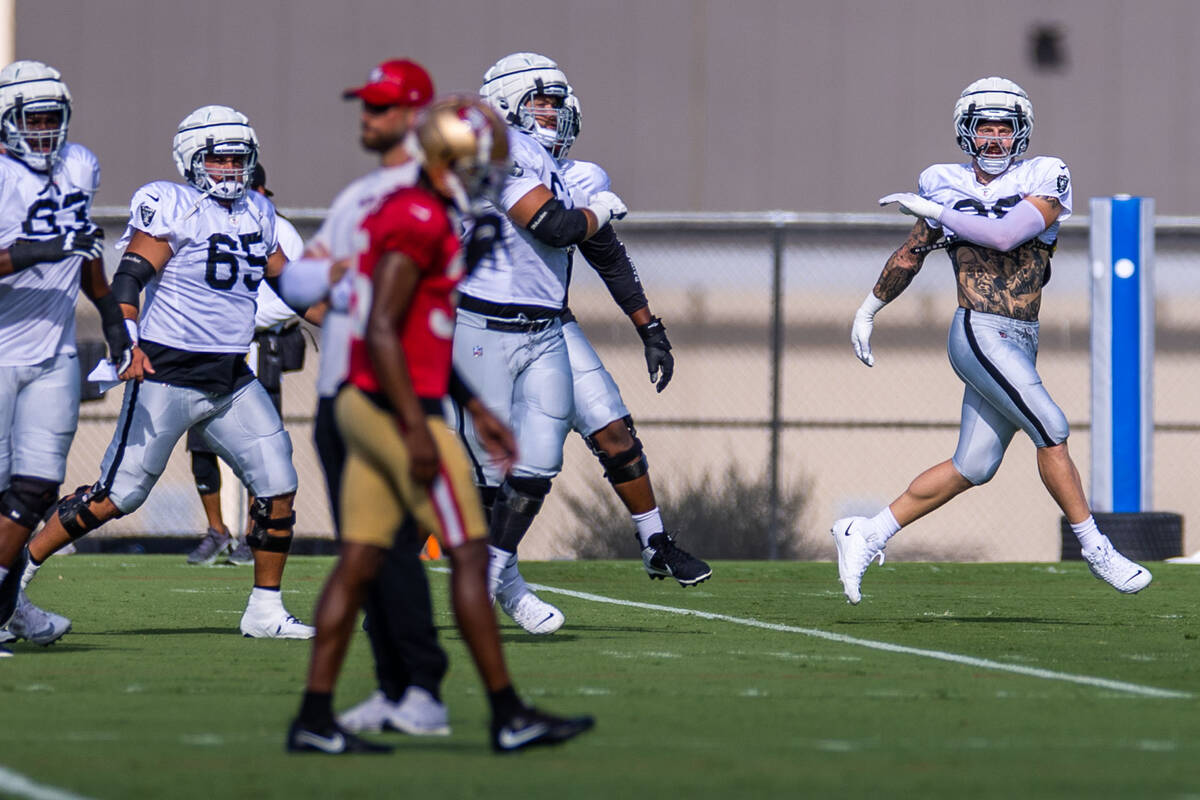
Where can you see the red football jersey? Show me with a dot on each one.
(412, 221)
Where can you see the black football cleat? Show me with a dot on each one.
(662, 558)
(331, 740)
(530, 727)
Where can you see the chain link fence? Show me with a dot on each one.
(758, 308)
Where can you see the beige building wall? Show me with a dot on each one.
(717, 105)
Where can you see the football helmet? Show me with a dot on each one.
(512, 83)
(30, 88)
(993, 100)
(216, 131)
(462, 146)
(574, 121)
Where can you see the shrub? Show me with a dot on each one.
(712, 518)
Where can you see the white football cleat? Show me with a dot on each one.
(1115, 569)
(417, 713)
(531, 612)
(855, 554)
(367, 716)
(37, 624)
(276, 623)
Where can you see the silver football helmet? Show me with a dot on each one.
(993, 100)
(216, 131)
(511, 86)
(35, 110)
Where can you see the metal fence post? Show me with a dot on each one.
(777, 243)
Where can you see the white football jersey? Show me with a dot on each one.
(37, 305)
(955, 185)
(204, 299)
(342, 236)
(272, 311)
(583, 179)
(521, 270)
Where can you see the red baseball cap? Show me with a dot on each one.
(399, 82)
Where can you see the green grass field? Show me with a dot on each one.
(155, 695)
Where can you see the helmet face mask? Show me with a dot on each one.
(519, 86)
(35, 112)
(989, 102)
(216, 150)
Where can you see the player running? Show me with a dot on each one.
(1000, 215)
(50, 250)
(200, 250)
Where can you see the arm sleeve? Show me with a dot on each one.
(1019, 225)
(558, 226)
(305, 281)
(606, 253)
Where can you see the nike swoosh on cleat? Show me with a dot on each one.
(334, 744)
(547, 619)
(510, 739)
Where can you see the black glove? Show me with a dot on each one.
(658, 352)
(116, 332)
(88, 243)
(483, 237)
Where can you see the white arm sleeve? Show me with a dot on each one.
(1019, 225)
(305, 281)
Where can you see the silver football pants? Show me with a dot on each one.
(242, 427)
(995, 356)
(524, 378)
(39, 411)
(597, 398)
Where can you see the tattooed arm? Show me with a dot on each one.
(904, 264)
(897, 274)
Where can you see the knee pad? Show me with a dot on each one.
(206, 472)
(517, 503)
(259, 538)
(625, 466)
(74, 514)
(26, 500)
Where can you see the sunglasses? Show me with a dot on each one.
(375, 110)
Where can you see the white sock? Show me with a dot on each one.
(1087, 533)
(30, 570)
(883, 526)
(648, 524)
(266, 598)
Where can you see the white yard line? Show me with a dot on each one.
(971, 661)
(17, 785)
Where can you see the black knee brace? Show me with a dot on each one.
(259, 538)
(625, 466)
(517, 502)
(73, 511)
(26, 500)
(487, 497)
(206, 472)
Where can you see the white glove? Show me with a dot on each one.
(606, 206)
(864, 323)
(914, 205)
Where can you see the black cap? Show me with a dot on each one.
(258, 180)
